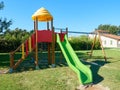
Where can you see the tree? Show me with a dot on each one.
(17, 34)
(4, 24)
(111, 28)
(11, 39)
(1, 5)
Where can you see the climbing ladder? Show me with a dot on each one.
(26, 48)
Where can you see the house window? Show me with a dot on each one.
(119, 42)
(105, 42)
(111, 42)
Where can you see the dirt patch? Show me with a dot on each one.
(92, 87)
(3, 71)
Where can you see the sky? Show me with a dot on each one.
(77, 15)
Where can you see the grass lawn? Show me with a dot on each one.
(62, 77)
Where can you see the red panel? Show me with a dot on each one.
(26, 45)
(33, 40)
(62, 36)
(44, 36)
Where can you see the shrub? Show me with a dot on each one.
(8, 45)
(83, 43)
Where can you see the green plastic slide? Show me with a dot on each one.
(83, 72)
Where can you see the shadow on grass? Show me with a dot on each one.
(96, 62)
(29, 65)
(60, 61)
(95, 67)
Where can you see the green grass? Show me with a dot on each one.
(48, 79)
(4, 60)
(108, 72)
(62, 77)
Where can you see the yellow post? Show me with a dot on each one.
(30, 49)
(23, 51)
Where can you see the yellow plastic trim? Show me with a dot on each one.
(42, 15)
(30, 49)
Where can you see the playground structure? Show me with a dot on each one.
(50, 37)
(31, 44)
(97, 35)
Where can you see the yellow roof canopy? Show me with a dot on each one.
(42, 15)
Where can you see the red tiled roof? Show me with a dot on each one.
(111, 36)
(102, 31)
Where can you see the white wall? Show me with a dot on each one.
(108, 42)
(118, 44)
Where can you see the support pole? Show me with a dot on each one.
(53, 44)
(61, 31)
(102, 46)
(49, 61)
(11, 62)
(36, 49)
(48, 25)
(93, 45)
(67, 31)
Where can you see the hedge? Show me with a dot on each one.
(78, 43)
(8, 45)
(83, 43)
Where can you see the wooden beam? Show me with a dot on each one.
(36, 48)
(17, 63)
(93, 45)
(47, 25)
(102, 46)
(49, 56)
(11, 59)
(53, 47)
(17, 49)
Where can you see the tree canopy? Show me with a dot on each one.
(4, 23)
(113, 29)
(11, 39)
(1, 5)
